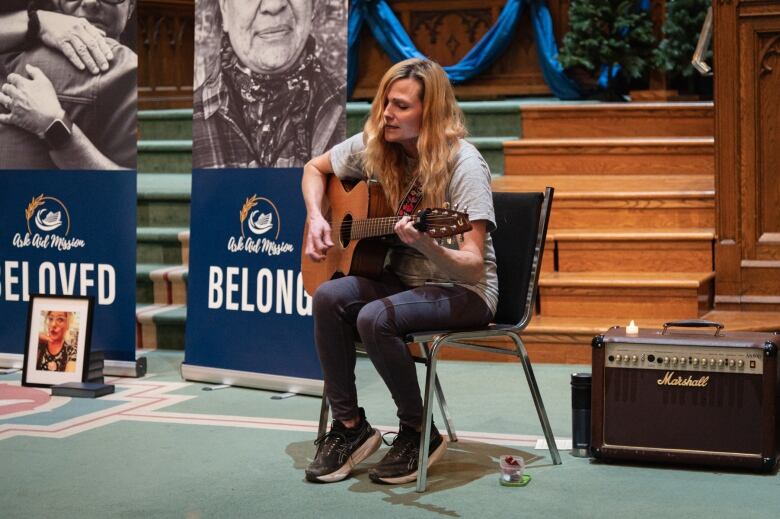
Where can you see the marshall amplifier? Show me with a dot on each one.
(686, 396)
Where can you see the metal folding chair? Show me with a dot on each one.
(522, 220)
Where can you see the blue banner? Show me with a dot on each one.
(69, 233)
(247, 310)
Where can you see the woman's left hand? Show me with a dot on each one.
(32, 103)
(405, 230)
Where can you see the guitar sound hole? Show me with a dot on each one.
(345, 231)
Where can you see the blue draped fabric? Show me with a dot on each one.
(547, 48)
(391, 35)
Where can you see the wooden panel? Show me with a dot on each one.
(747, 124)
(761, 278)
(646, 156)
(165, 53)
(768, 132)
(760, 153)
(445, 30)
(618, 120)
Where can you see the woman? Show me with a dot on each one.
(413, 139)
(54, 116)
(54, 352)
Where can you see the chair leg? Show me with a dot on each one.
(445, 412)
(324, 414)
(531, 379)
(425, 433)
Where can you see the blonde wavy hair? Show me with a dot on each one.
(441, 127)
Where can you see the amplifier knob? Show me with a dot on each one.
(731, 363)
(712, 362)
(634, 359)
(720, 362)
(695, 361)
(674, 361)
(618, 358)
(683, 360)
(740, 363)
(703, 361)
(666, 360)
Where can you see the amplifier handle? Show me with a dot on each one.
(693, 323)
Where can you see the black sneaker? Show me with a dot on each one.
(340, 449)
(400, 463)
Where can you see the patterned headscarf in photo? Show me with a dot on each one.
(275, 106)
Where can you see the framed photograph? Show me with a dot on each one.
(57, 340)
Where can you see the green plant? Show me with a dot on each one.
(684, 20)
(612, 33)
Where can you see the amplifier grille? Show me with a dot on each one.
(718, 415)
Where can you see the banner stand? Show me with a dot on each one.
(301, 386)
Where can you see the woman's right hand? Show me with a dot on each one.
(81, 42)
(318, 238)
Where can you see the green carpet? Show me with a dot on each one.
(178, 451)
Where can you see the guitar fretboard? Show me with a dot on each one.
(372, 227)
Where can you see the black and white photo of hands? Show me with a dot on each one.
(81, 42)
(31, 103)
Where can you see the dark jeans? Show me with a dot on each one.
(383, 311)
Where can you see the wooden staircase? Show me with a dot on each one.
(631, 235)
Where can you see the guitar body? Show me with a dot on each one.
(365, 257)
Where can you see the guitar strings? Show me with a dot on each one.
(391, 219)
(378, 222)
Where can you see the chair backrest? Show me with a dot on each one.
(519, 243)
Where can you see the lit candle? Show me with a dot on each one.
(632, 329)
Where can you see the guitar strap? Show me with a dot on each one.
(411, 200)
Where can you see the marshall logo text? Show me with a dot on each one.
(670, 380)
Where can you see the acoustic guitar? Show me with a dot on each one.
(359, 218)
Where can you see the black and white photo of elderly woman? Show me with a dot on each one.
(268, 100)
(68, 95)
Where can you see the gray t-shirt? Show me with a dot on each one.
(469, 189)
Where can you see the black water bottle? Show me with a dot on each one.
(580, 414)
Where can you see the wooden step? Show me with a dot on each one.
(160, 326)
(623, 201)
(618, 250)
(163, 199)
(165, 245)
(626, 295)
(617, 120)
(610, 156)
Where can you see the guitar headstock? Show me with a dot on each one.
(441, 222)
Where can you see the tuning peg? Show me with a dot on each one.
(446, 205)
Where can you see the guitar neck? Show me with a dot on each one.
(373, 227)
